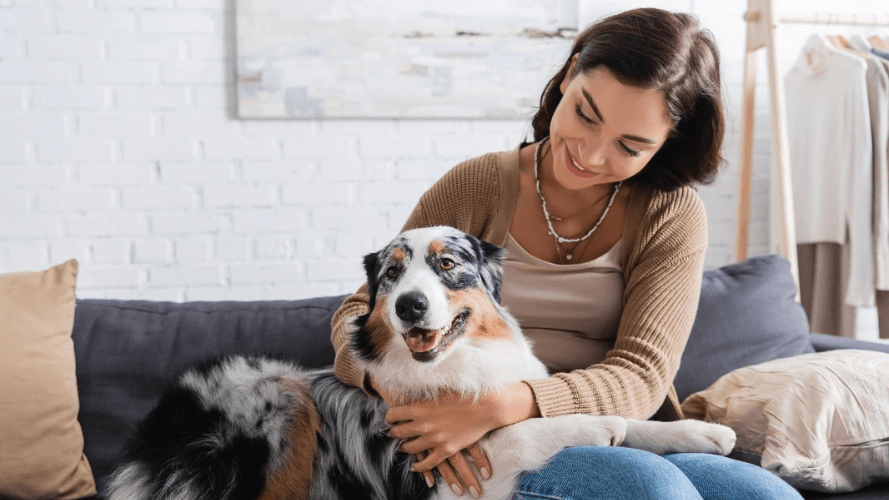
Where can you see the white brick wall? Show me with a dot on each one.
(119, 146)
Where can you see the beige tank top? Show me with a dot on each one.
(570, 312)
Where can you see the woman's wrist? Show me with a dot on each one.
(515, 404)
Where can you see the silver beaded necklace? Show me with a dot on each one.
(549, 219)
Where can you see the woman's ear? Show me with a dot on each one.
(564, 85)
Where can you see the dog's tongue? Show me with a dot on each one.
(421, 340)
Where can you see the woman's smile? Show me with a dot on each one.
(575, 168)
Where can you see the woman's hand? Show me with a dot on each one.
(513, 403)
(442, 427)
(439, 432)
(455, 470)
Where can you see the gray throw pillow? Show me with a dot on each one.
(747, 315)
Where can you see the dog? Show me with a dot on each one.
(251, 427)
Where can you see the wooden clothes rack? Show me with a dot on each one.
(762, 23)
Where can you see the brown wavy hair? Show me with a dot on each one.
(666, 51)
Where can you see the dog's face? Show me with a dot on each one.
(428, 288)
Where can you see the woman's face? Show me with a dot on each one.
(604, 131)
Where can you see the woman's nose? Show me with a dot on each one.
(594, 153)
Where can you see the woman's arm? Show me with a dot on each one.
(345, 364)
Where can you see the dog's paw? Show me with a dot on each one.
(618, 428)
(603, 431)
(681, 436)
(705, 437)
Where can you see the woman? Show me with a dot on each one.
(606, 241)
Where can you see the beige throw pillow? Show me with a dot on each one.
(820, 421)
(41, 442)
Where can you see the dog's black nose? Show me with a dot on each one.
(411, 306)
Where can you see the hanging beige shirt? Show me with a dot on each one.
(571, 312)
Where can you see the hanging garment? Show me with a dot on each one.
(879, 109)
(878, 100)
(880, 45)
(831, 157)
(823, 275)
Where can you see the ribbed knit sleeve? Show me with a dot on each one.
(468, 197)
(662, 289)
(345, 364)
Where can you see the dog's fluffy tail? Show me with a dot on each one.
(236, 428)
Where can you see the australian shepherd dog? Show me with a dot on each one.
(245, 428)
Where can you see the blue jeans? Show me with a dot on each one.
(587, 472)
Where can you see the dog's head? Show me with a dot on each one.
(428, 288)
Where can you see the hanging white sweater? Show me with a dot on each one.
(830, 143)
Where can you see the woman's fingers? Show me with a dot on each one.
(397, 414)
(405, 430)
(456, 472)
(465, 472)
(416, 445)
(450, 477)
(481, 460)
(433, 460)
(428, 476)
(410, 447)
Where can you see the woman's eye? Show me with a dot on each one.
(446, 264)
(631, 152)
(582, 116)
(392, 272)
(587, 119)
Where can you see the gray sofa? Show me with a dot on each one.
(128, 350)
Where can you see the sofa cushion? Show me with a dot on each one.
(747, 314)
(41, 443)
(820, 421)
(128, 351)
(823, 342)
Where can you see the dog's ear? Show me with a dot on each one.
(372, 270)
(491, 259)
(359, 336)
(371, 261)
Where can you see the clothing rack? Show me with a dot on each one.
(762, 24)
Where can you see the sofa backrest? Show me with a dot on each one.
(128, 351)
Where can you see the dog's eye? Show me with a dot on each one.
(392, 272)
(446, 264)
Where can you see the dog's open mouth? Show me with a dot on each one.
(426, 344)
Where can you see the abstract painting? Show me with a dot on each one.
(398, 58)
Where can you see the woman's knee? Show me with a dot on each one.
(721, 478)
(606, 472)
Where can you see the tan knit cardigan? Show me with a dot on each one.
(663, 245)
